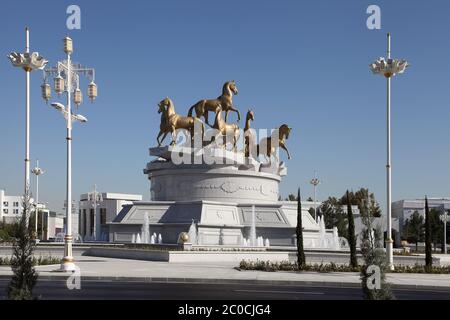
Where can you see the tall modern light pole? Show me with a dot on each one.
(389, 68)
(67, 79)
(445, 218)
(28, 62)
(37, 172)
(315, 182)
(95, 198)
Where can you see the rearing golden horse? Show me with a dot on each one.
(225, 102)
(266, 148)
(175, 121)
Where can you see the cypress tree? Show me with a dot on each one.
(24, 275)
(428, 254)
(301, 261)
(373, 254)
(351, 234)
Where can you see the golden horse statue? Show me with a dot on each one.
(164, 128)
(249, 138)
(225, 102)
(225, 129)
(174, 121)
(266, 148)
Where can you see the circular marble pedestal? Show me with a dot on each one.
(244, 181)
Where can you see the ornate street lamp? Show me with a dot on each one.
(315, 182)
(95, 198)
(37, 172)
(67, 80)
(28, 62)
(445, 218)
(389, 68)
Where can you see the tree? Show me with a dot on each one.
(301, 261)
(360, 199)
(7, 232)
(437, 228)
(351, 233)
(291, 197)
(24, 275)
(415, 227)
(334, 216)
(373, 254)
(428, 254)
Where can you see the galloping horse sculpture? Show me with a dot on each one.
(225, 102)
(225, 129)
(164, 128)
(266, 148)
(175, 121)
(248, 136)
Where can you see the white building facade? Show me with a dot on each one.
(404, 209)
(105, 213)
(10, 207)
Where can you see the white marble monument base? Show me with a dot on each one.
(218, 197)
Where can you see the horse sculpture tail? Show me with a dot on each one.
(191, 110)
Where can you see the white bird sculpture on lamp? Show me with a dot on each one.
(75, 117)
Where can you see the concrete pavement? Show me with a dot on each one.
(93, 268)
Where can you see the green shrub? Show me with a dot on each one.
(268, 266)
(36, 261)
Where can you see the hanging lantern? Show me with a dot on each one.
(68, 45)
(78, 97)
(59, 84)
(92, 91)
(46, 92)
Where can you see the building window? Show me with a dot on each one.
(84, 222)
(79, 222)
(102, 215)
(5, 203)
(92, 221)
(5, 211)
(16, 204)
(16, 211)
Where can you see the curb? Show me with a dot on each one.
(235, 281)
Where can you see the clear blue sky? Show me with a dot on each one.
(304, 63)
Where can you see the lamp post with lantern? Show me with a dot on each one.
(315, 183)
(28, 62)
(37, 171)
(67, 80)
(445, 218)
(388, 68)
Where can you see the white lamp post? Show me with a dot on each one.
(37, 172)
(67, 79)
(28, 62)
(389, 68)
(95, 198)
(445, 218)
(315, 182)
